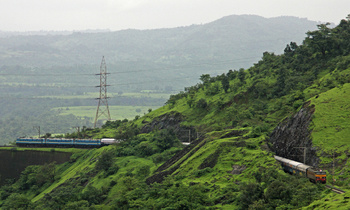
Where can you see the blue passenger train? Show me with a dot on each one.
(81, 143)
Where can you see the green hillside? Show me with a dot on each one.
(232, 121)
(331, 118)
(41, 71)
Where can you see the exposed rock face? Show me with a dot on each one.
(166, 121)
(291, 136)
(171, 121)
(237, 169)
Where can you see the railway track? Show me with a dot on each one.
(336, 190)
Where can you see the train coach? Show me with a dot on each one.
(80, 143)
(297, 168)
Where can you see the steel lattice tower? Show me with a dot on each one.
(102, 107)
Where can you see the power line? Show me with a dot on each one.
(137, 71)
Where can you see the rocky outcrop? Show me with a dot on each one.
(172, 121)
(165, 121)
(290, 138)
(237, 169)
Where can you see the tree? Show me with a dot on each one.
(277, 191)
(143, 171)
(290, 49)
(225, 83)
(320, 41)
(165, 139)
(92, 195)
(201, 103)
(105, 161)
(205, 78)
(190, 100)
(241, 75)
(16, 201)
(213, 89)
(231, 74)
(250, 193)
(280, 83)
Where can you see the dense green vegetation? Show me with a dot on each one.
(42, 72)
(230, 165)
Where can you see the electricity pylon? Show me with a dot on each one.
(102, 107)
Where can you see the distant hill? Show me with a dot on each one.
(186, 52)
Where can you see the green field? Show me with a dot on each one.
(117, 112)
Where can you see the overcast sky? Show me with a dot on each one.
(34, 15)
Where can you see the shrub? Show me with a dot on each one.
(145, 149)
(213, 89)
(256, 132)
(36, 175)
(251, 193)
(92, 194)
(112, 170)
(165, 139)
(297, 104)
(204, 171)
(105, 161)
(16, 201)
(143, 171)
(82, 204)
(201, 103)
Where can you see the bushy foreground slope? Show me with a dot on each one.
(229, 164)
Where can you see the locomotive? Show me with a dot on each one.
(294, 167)
(82, 143)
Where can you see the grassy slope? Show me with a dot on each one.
(246, 151)
(252, 154)
(86, 162)
(331, 131)
(332, 201)
(331, 118)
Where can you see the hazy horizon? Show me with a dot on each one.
(115, 15)
(110, 30)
